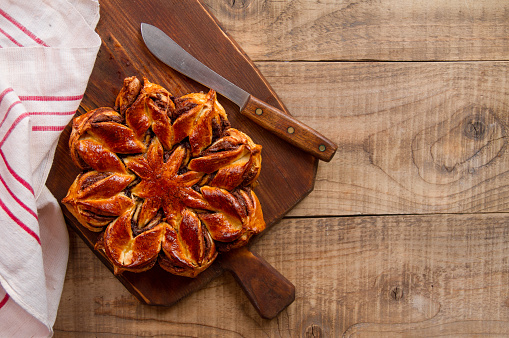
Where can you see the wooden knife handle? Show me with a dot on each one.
(289, 129)
(268, 291)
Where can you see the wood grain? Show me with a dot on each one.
(351, 30)
(393, 276)
(413, 137)
(413, 240)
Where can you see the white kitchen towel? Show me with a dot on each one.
(47, 52)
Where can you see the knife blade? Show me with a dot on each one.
(267, 116)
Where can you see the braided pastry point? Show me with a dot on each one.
(164, 180)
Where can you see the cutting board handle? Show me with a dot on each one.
(268, 290)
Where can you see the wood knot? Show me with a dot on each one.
(396, 293)
(474, 127)
(313, 331)
(469, 141)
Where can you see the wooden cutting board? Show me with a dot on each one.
(287, 174)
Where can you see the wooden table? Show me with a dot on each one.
(406, 231)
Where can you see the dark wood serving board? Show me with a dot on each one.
(287, 174)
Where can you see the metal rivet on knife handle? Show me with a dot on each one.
(259, 111)
(289, 129)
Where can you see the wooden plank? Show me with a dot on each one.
(413, 137)
(417, 137)
(367, 30)
(393, 276)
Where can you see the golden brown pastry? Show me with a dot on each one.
(165, 180)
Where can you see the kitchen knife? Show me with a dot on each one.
(267, 116)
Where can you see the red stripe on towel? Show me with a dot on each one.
(15, 175)
(4, 300)
(23, 205)
(13, 125)
(51, 98)
(23, 28)
(48, 128)
(53, 113)
(5, 92)
(18, 222)
(10, 38)
(8, 111)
